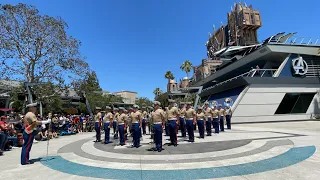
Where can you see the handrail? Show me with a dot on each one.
(293, 40)
(250, 73)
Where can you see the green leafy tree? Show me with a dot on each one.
(189, 98)
(157, 92)
(91, 87)
(35, 47)
(54, 105)
(163, 99)
(82, 108)
(168, 75)
(144, 102)
(17, 97)
(186, 66)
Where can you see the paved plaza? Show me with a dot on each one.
(287, 150)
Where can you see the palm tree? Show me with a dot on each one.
(186, 66)
(169, 75)
(157, 92)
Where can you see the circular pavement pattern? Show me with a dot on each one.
(232, 153)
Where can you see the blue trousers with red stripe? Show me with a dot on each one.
(172, 125)
(106, 133)
(208, 126)
(157, 129)
(98, 131)
(136, 132)
(26, 148)
(121, 128)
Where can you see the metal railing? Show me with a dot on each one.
(293, 40)
(251, 73)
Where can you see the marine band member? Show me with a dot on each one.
(97, 124)
(144, 120)
(190, 121)
(182, 119)
(222, 116)
(136, 121)
(158, 120)
(228, 113)
(115, 123)
(208, 112)
(30, 122)
(107, 123)
(122, 122)
(173, 118)
(201, 120)
(215, 119)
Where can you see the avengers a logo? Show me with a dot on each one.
(228, 102)
(300, 66)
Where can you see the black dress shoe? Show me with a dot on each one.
(28, 163)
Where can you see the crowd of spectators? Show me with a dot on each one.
(11, 128)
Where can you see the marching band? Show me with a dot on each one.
(136, 120)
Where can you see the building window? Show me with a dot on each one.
(295, 103)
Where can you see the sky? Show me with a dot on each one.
(130, 44)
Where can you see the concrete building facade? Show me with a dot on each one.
(129, 97)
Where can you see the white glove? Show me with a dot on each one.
(46, 122)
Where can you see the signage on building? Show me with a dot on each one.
(299, 66)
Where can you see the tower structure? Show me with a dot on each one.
(241, 30)
(243, 23)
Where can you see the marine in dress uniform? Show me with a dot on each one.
(222, 116)
(30, 123)
(215, 119)
(201, 121)
(158, 119)
(130, 111)
(166, 125)
(144, 120)
(190, 121)
(97, 124)
(208, 112)
(115, 122)
(127, 125)
(149, 124)
(136, 121)
(123, 118)
(182, 119)
(107, 123)
(173, 117)
(228, 113)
